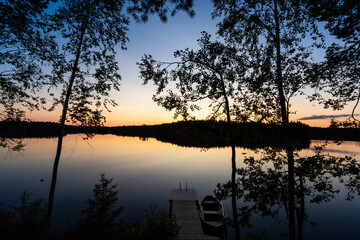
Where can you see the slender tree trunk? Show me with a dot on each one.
(62, 121)
(233, 164)
(233, 185)
(301, 211)
(285, 123)
(279, 80)
(291, 194)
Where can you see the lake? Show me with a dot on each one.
(146, 171)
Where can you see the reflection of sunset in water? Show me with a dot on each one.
(337, 148)
(145, 171)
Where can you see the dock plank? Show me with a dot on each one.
(184, 208)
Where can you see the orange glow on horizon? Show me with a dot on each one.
(122, 116)
(139, 112)
(322, 123)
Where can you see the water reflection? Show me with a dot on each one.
(262, 185)
(145, 171)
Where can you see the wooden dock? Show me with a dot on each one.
(185, 207)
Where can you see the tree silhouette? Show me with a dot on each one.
(89, 31)
(215, 72)
(24, 50)
(272, 33)
(25, 220)
(340, 70)
(101, 218)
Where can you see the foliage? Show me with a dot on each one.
(210, 73)
(26, 221)
(341, 17)
(263, 189)
(24, 51)
(271, 34)
(157, 225)
(100, 220)
(140, 10)
(31, 33)
(260, 236)
(213, 73)
(216, 73)
(339, 78)
(11, 133)
(340, 70)
(101, 217)
(89, 32)
(29, 211)
(348, 123)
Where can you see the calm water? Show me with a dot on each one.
(145, 171)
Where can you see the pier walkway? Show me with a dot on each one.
(185, 207)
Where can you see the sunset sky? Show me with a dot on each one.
(160, 40)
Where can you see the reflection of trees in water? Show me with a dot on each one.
(262, 184)
(11, 144)
(11, 130)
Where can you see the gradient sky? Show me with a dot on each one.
(160, 40)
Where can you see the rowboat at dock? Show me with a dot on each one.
(213, 216)
(185, 206)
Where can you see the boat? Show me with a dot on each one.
(213, 217)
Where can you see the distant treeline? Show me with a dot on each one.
(194, 133)
(215, 134)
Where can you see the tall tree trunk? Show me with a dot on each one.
(62, 121)
(233, 163)
(279, 79)
(233, 184)
(300, 213)
(291, 193)
(285, 123)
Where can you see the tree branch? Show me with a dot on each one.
(353, 111)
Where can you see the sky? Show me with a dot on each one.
(161, 40)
